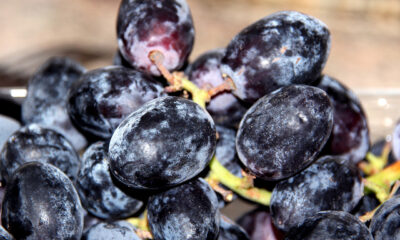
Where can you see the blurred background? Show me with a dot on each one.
(365, 53)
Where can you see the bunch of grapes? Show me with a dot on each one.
(154, 146)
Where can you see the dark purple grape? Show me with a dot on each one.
(281, 49)
(188, 211)
(350, 134)
(41, 203)
(284, 131)
(34, 143)
(7, 127)
(385, 224)
(4, 235)
(226, 150)
(120, 230)
(165, 142)
(331, 225)
(258, 225)
(102, 98)
(228, 230)
(99, 195)
(328, 184)
(46, 101)
(145, 26)
(396, 141)
(225, 108)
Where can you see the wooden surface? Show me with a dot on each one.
(365, 53)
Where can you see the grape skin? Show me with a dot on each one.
(284, 48)
(103, 97)
(167, 141)
(188, 211)
(145, 26)
(284, 131)
(258, 225)
(7, 127)
(385, 224)
(99, 195)
(225, 108)
(41, 203)
(34, 143)
(350, 134)
(119, 230)
(328, 184)
(331, 225)
(46, 100)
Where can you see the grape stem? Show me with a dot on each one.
(237, 184)
(178, 81)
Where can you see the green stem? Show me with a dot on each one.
(238, 185)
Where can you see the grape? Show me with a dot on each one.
(258, 224)
(350, 134)
(46, 101)
(385, 224)
(228, 230)
(283, 132)
(396, 141)
(327, 184)
(103, 97)
(120, 230)
(4, 235)
(167, 141)
(145, 26)
(281, 49)
(41, 203)
(7, 127)
(331, 225)
(226, 150)
(188, 211)
(98, 193)
(34, 143)
(225, 108)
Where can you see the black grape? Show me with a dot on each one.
(225, 108)
(120, 230)
(284, 131)
(228, 230)
(165, 142)
(385, 224)
(163, 25)
(188, 211)
(34, 143)
(396, 141)
(331, 225)
(281, 49)
(41, 203)
(328, 184)
(368, 203)
(103, 97)
(99, 195)
(46, 101)
(350, 134)
(258, 225)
